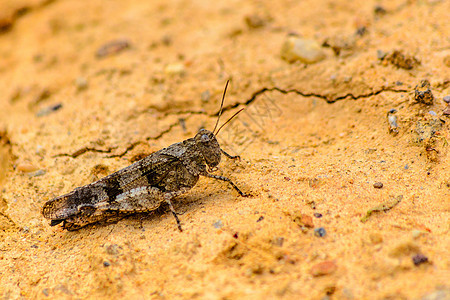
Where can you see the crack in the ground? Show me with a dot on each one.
(298, 92)
(84, 150)
(254, 96)
(129, 148)
(190, 112)
(162, 133)
(134, 144)
(110, 149)
(165, 113)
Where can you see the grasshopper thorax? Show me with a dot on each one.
(207, 143)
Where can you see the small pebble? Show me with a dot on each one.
(254, 21)
(375, 238)
(205, 96)
(329, 290)
(381, 54)
(113, 249)
(278, 241)
(40, 150)
(63, 289)
(423, 93)
(401, 60)
(361, 30)
(218, 224)
(393, 125)
(379, 10)
(45, 292)
(392, 111)
(419, 259)
(320, 232)
(106, 263)
(303, 50)
(378, 185)
(303, 220)
(323, 268)
(36, 173)
(81, 83)
(175, 69)
(432, 113)
(47, 110)
(417, 233)
(318, 215)
(166, 40)
(447, 99)
(112, 47)
(26, 168)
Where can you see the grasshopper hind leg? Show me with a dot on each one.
(175, 214)
(170, 196)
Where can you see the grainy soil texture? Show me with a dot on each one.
(344, 146)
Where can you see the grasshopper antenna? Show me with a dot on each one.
(229, 120)
(221, 105)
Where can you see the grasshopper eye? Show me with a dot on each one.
(205, 138)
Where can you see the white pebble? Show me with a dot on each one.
(175, 69)
(300, 49)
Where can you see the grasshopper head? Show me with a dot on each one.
(209, 147)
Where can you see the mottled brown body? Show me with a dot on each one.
(144, 185)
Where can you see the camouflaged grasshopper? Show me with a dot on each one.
(144, 185)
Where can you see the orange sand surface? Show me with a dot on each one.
(314, 139)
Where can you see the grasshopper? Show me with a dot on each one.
(144, 185)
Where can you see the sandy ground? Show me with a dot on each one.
(314, 139)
